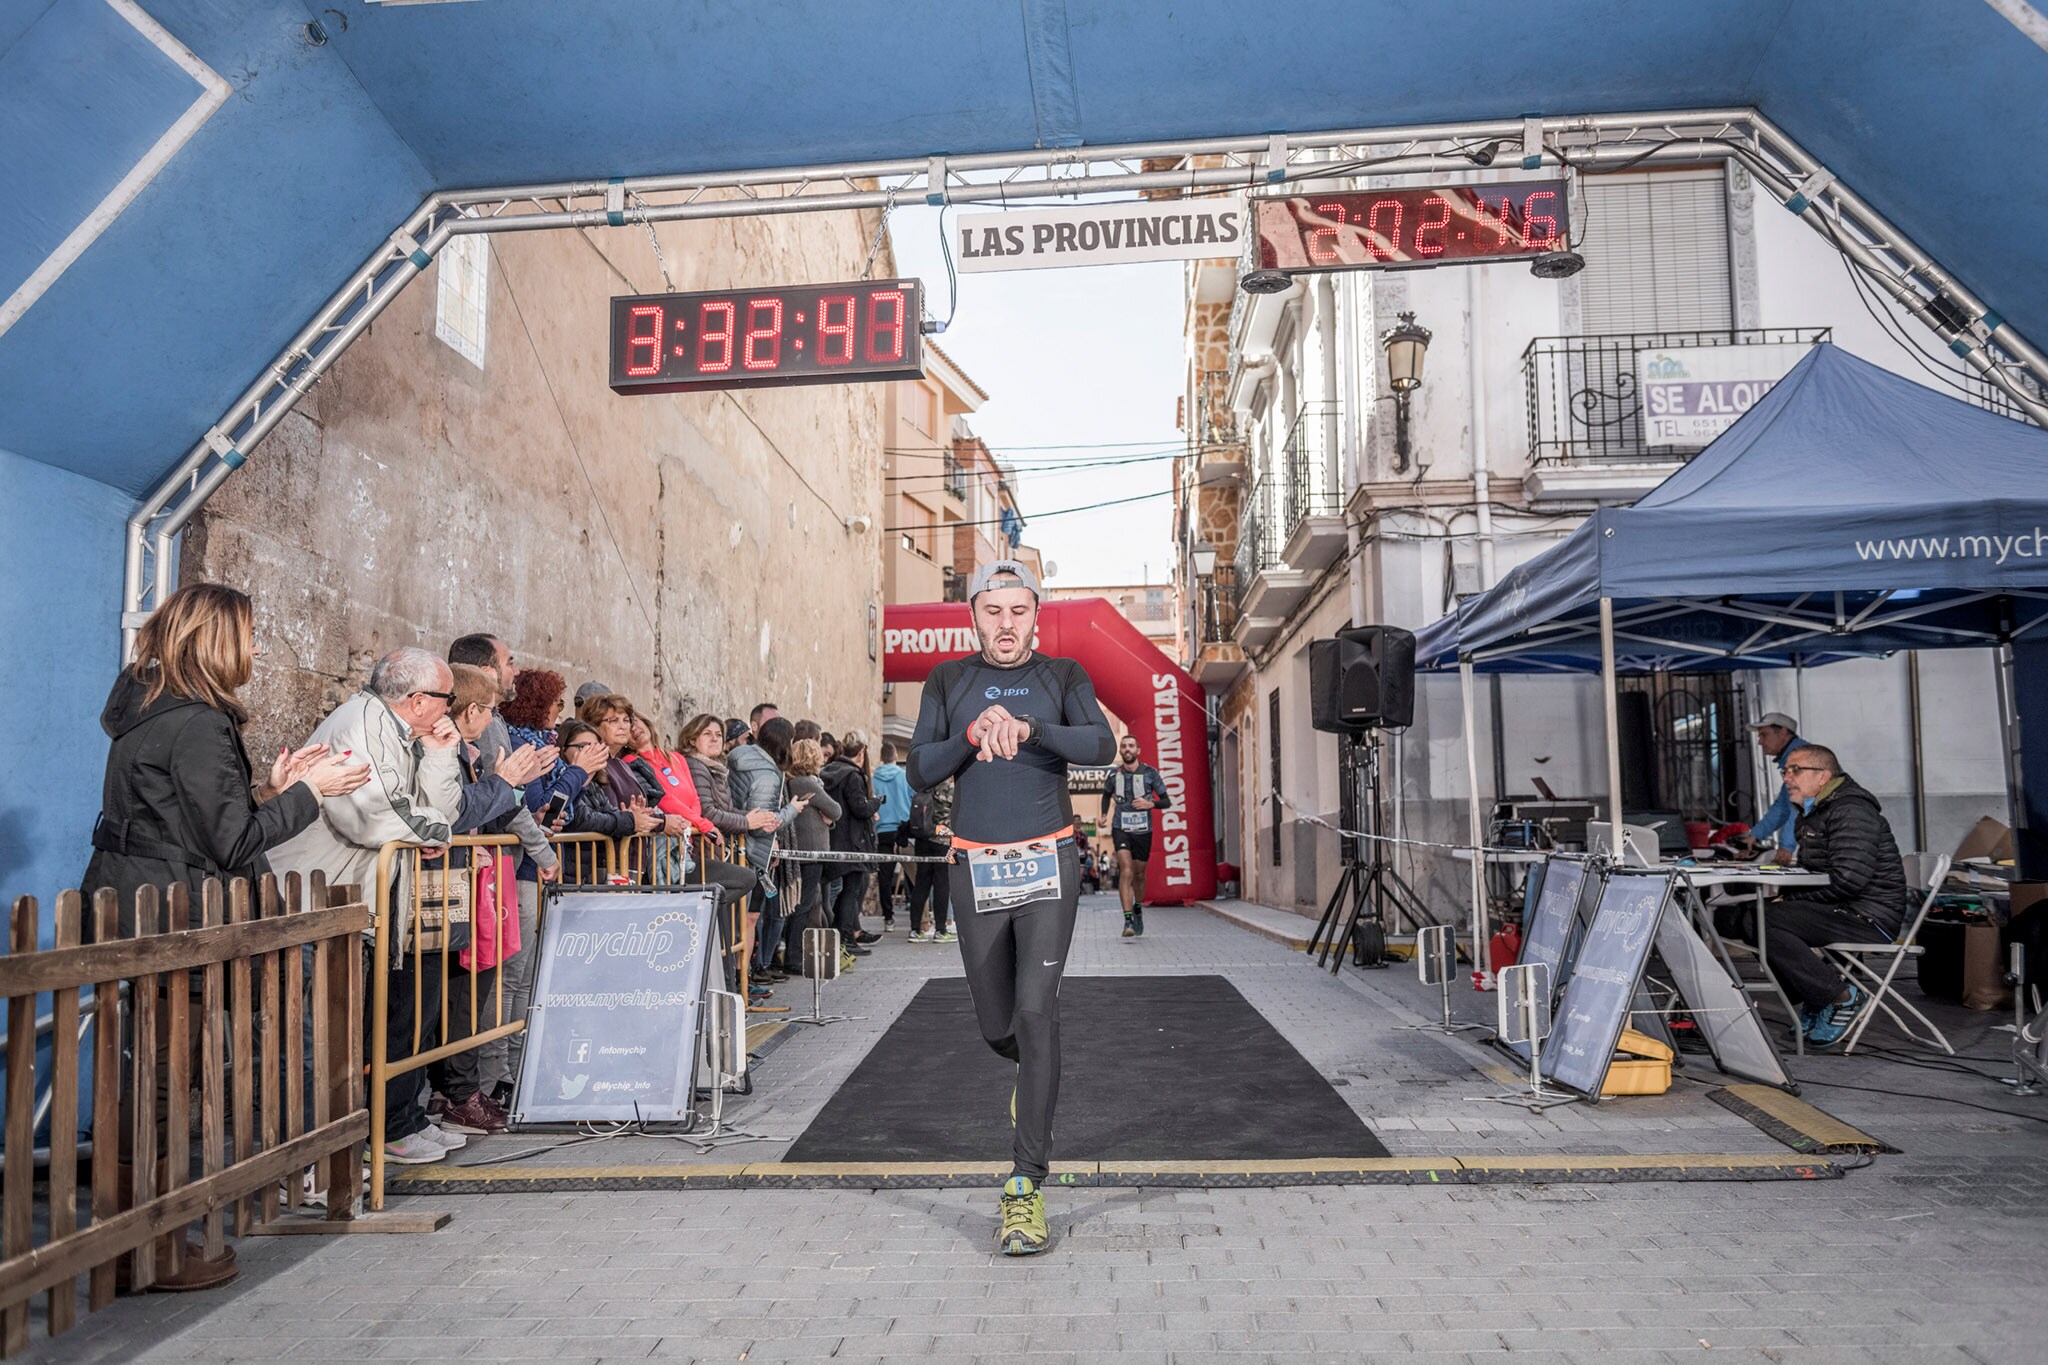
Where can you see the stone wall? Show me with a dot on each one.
(688, 549)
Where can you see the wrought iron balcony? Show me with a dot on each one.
(1258, 536)
(1218, 606)
(1313, 478)
(1583, 405)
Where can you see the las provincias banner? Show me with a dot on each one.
(1099, 234)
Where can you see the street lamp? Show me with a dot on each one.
(1406, 343)
(1204, 556)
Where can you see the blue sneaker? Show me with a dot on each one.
(1834, 1021)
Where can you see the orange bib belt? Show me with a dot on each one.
(968, 845)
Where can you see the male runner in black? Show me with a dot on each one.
(1004, 724)
(1132, 791)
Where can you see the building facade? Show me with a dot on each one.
(465, 467)
(1313, 497)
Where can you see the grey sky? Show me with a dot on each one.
(1091, 356)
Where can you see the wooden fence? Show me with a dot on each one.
(242, 982)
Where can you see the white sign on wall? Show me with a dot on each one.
(1691, 394)
(1099, 234)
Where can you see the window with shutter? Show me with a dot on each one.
(1656, 249)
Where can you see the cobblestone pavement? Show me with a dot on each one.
(1935, 1254)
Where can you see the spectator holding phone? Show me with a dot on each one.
(529, 716)
(490, 805)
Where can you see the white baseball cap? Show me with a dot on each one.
(985, 576)
(1777, 718)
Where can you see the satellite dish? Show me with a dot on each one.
(1051, 567)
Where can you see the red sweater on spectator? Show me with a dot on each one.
(678, 792)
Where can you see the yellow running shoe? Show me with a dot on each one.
(1023, 1232)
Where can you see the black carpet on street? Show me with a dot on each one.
(1172, 1068)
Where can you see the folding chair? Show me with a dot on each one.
(1860, 962)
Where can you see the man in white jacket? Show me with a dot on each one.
(399, 725)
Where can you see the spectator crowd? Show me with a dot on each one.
(468, 743)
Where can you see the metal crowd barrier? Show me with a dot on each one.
(587, 859)
(427, 896)
(658, 859)
(426, 900)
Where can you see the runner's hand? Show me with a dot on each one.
(1003, 738)
(978, 730)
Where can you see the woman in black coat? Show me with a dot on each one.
(179, 809)
(846, 779)
(179, 805)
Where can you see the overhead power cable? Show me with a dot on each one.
(1003, 456)
(936, 478)
(1035, 516)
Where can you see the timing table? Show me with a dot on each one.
(1511, 892)
(1697, 877)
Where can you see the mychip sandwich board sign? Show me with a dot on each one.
(1602, 990)
(617, 1003)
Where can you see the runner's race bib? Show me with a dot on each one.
(1134, 821)
(1006, 876)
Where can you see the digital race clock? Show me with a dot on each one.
(1404, 228)
(760, 338)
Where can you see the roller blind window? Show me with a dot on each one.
(1656, 249)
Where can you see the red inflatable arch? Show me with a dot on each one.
(1149, 692)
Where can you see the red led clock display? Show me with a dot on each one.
(1407, 228)
(760, 338)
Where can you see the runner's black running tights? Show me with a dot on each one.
(1014, 960)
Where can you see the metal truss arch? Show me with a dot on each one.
(1257, 163)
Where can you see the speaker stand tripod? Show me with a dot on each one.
(1361, 896)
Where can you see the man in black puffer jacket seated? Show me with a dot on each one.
(1865, 900)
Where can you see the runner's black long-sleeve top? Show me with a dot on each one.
(1006, 800)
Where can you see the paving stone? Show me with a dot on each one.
(1929, 1256)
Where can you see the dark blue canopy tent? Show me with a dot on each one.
(1850, 512)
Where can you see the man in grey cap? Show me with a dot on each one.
(589, 690)
(1777, 734)
(1004, 724)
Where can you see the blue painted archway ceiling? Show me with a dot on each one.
(1935, 110)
